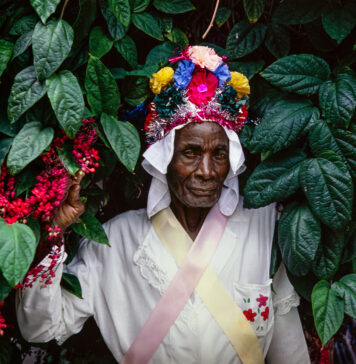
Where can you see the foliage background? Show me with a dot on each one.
(61, 61)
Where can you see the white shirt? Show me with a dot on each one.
(122, 284)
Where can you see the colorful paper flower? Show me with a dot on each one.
(240, 83)
(265, 314)
(202, 87)
(250, 315)
(205, 57)
(223, 74)
(183, 74)
(262, 300)
(161, 79)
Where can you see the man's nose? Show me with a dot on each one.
(205, 169)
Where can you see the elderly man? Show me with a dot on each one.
(187, 279)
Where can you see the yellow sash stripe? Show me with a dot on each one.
(211, 290)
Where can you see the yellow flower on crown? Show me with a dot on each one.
(240, 83)
(161, 79)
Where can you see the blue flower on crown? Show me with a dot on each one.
(183, 74)
(223, 74)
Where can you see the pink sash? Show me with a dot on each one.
(179, 290)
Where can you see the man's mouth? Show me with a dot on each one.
(203, 191)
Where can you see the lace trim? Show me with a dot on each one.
(284, 305)
(149, 270)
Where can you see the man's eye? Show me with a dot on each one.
(221, 155)
(190, 153)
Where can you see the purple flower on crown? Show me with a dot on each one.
(223, 74)
(183, 74)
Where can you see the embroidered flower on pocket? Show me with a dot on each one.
(262, 300)
(265, 314)
(250, 315)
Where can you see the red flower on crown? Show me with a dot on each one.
(202, 87)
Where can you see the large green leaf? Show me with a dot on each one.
(5, 54)
(124, 140)
(346, 141)
(25, 92)
(5, 144)
(277, 40)
(328, 187)
(329, 254)
(67, 101)
(222, 15)
(148, 24)
(338, 99)
(44, 8)
(116, 29)
(173, 6)
(178, 37)
(24, 25)
(297, 11)
(17, 250)
(283, 124)
(5, 288)
(71, 283)
(275, 179)
(302, 73)
(135, 90)
(85, 18)
(127, 48)
(27, 145)
(244, 38)
(339, 19)
(99, 42)
(138, 6)
(22, 43)
(102, 91)
(254, 9)
(249, 69)
(346, 288)
(160, 54)
(90, 227)
(121, 10)
(299, 235)
(328, 310)
(51, 44)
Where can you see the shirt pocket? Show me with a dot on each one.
(255, 301)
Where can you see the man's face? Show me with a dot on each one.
(199, 165)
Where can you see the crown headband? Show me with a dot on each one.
(201, 88)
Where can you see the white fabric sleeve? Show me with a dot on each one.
(288, 342)
(51, 312)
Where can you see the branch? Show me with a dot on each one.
(63, 9)
(212, 19)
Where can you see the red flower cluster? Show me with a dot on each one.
(3, 325)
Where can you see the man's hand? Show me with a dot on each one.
(72, 207)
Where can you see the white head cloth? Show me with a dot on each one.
(158, 156)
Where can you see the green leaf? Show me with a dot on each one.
(102, 91)
(303, 285)
(138, 6)
(26, 180)
(27, 145)
(346, 288)
(302, 73)
(178, 37)
(24, 25)
(121, 10)
(44, 8)
(318, 37)
(338, 20)
(328, 187)
(165, 22)
(249, 69)
(65, 154)
(116, 29)
(277, 40)
(51, 44)
(338, 99)
(25, 92)
(127, 48)
(148, 24)
(297, 11)
(5, 54)
(283, 124)
(254, 9)
(299, 235)
(222, 15)
(173, 6)
(99, 42)
(17, 250)
(346, 141)
(124, 140)
(329, 254)
(5, 288)
(160, 54)
(274, 179)
(85, 18)
(6, 350)
(71, 283)
(5, 144)
(135, 90)
(244, 38)
(328, 310)
(90, 227)
(67, 101)
(22, 43)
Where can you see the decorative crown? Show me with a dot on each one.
(201, 88)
